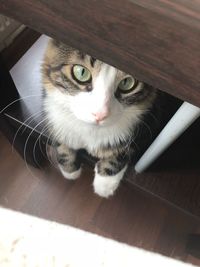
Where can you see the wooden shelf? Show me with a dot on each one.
(156, 41)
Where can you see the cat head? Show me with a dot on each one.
(93, 92)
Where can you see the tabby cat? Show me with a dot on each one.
(93, 106)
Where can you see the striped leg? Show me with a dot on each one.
(68, 162)
(108, 174)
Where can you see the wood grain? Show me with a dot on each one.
(17, 49)
(174, 177)
(157, 41)
(130, 216)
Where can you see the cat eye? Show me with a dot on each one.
(81, 74)
(127, 84)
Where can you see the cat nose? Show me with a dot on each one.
(100, 116)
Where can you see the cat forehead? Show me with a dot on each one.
(96, 66)
(74, 56)
(59, 53)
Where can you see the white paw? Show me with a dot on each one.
(105, 186)
(70, 175)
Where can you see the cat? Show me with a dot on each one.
(93, 106)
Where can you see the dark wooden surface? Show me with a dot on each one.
(8, 92)
(193, 245)
(17, 49)
(157, 40)
(130, 216)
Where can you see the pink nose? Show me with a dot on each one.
(100, 116)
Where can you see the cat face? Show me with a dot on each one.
(92, 91)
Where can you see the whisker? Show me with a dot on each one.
(54, 157)
(44, 154)
(131, 111)
(34, 148)
(47, 156)
(154, 117)
(147, 111)
(147, 126)
(39, 113)
(26, 143)
(52, 144)
(16, 100)
(32, 117)
(129, 142)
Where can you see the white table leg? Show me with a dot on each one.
(181, 120)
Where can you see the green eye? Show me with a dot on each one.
(81, 74)
(128, 84)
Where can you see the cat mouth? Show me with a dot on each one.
(97, 123)
(104, 123)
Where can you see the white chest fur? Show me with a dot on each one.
(78, 134)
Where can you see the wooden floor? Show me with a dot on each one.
(130, 216)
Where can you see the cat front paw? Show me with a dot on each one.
(70, 175)
(105, 186)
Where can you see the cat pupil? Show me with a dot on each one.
(82, 73)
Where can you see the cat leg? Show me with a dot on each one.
(108, 174)
(68, 162)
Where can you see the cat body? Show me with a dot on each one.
(93, 106)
